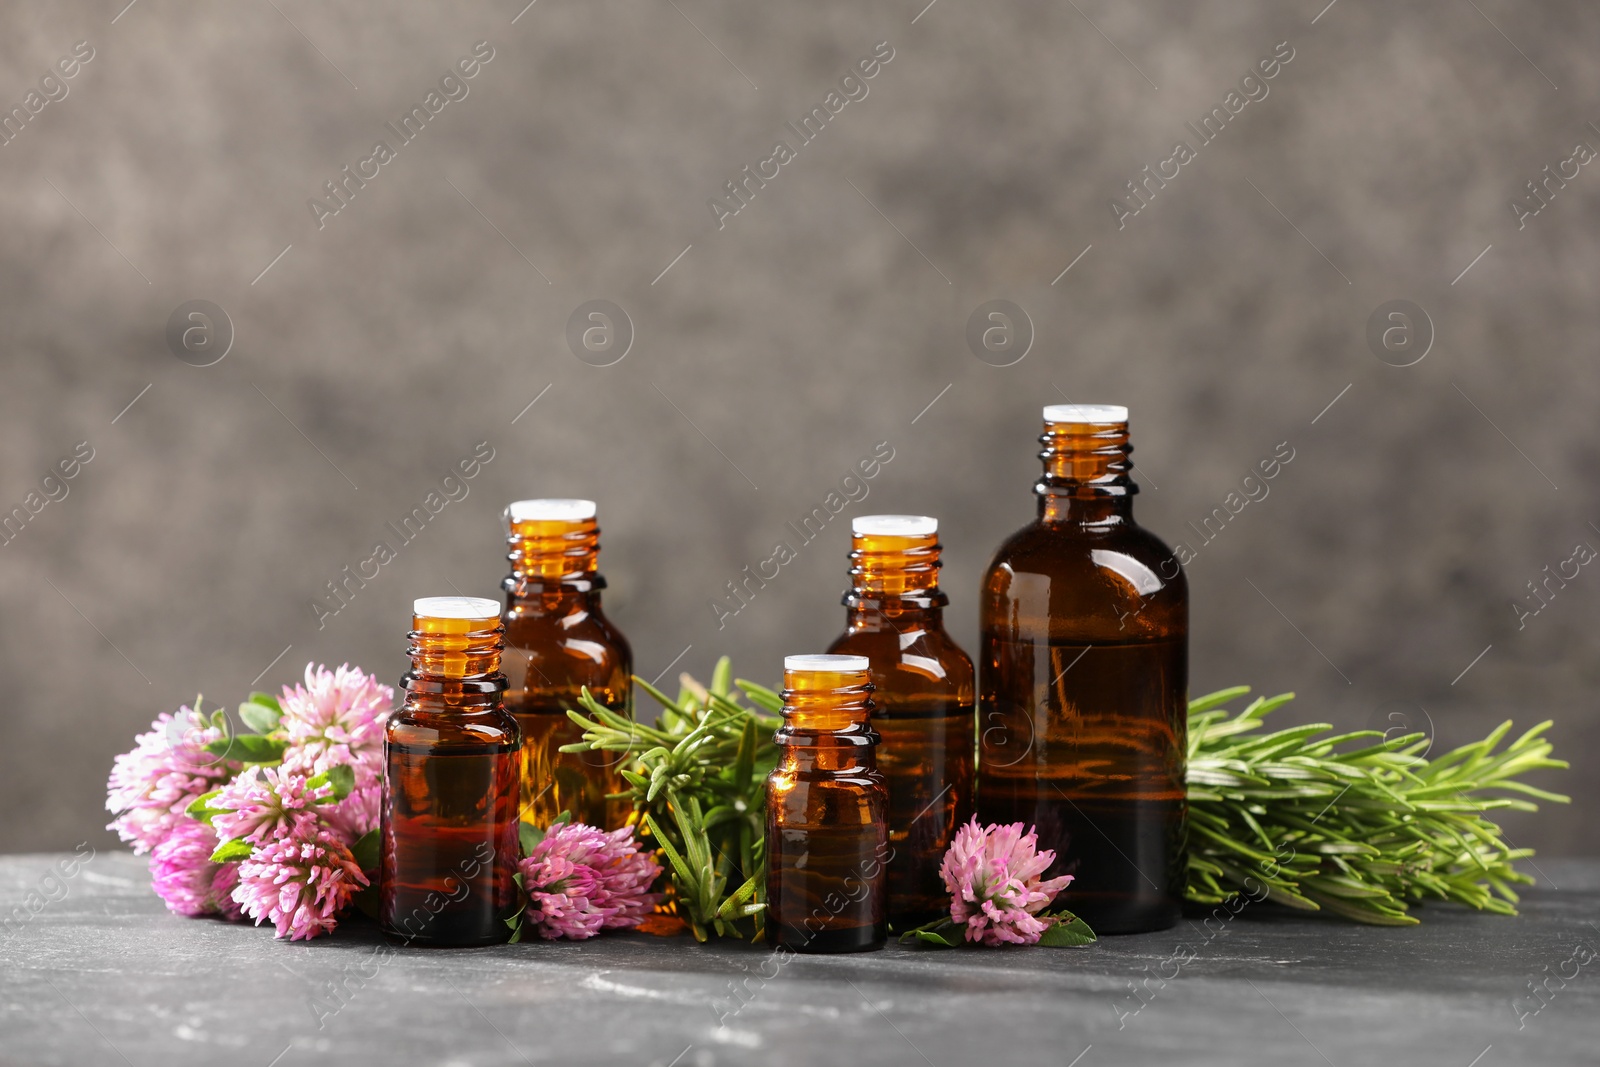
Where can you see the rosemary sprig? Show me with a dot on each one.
(1358, 824)
(699, 793)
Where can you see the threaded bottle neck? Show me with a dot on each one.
(455, 645)
(553, 550)
(1087, 467)
(887, 565)
(827, 713)
(1086, 459)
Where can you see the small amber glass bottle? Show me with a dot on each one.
(1083, 681)
(922, 702)
(558, 640)
(827, 812)
(448, 841)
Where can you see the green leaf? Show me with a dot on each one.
(365, 851)
(1068, 931)
(200, 807)
(341, 779)
(248, 748)
(735, 903)
(529, 836)
(937, 939)
(261, 713)
(941, 933)
(562, 819)
(744, 765)
(236, 849)
(760, 695)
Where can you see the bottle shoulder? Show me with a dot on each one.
(580, 646)
(490, 728)
(913, 661)
(1063, 551)
(1118, 584)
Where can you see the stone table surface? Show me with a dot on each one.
(93, 970)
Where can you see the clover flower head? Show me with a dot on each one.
(299, 882)
(580, 880)
(185, 878)
(264, 804)
(336, 718)
(992, 873)
(168, 767)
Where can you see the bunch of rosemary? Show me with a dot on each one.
(1359, 824)
(698, 788)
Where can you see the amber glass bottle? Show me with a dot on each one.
(448, 841)
(1083, 681)
(827, 811)
(922, 702)
(558, 641)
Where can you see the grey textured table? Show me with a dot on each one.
(103, 974)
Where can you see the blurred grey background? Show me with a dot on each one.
(1378, 578)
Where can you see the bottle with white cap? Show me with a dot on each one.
(827, 837)
(922, 697)
(558, 640)
(448, 834)
(1083, 681)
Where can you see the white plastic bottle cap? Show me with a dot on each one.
(894, 525)
(833, 664)
(456, 607)
(1090, 414)
(550, 510)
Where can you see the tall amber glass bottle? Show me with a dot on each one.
(922, 698)
(827, 830)
(558, 640)
(448, 838)
(1083, 681)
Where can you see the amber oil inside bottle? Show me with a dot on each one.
(1083, 681)
(558, 640)
(448, 840)
(827, 811)
(922, 702)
